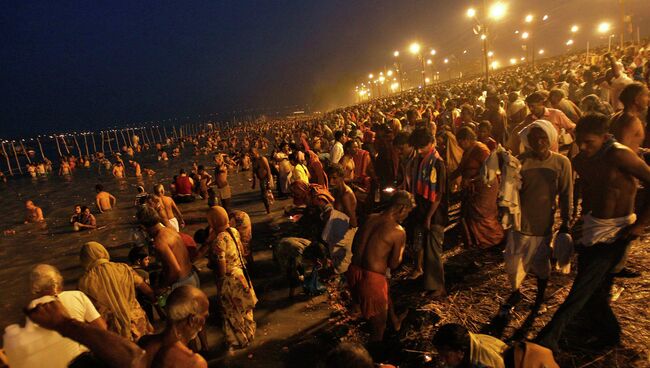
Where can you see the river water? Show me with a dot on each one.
(58, 245)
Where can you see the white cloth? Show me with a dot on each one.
(562, 252)
(526, 254)
(336, 152)
(509, 190)
(34, 346)
(546, 126)
(174, 223)
(595, 230)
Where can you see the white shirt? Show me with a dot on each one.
(76, 303)
(336, 152)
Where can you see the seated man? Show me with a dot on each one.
(34, 213)
(183, 185)
(104, 200)
(458, 347)
(187, 310)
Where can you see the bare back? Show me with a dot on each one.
(381, 244)
(173, 253)
(178, 355)
(167, 206)
(104, 201)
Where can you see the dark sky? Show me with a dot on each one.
(66, 65)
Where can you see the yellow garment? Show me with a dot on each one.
(486, 350)
(452, 156)
(111, 287)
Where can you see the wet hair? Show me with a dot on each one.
(99, 187)
(401, 138)
(535, 97)
(45, 278)
(338, 135)
(452, 336)
(420, 138)
(466, 133)
(158, 188)
(348, 355)
(137, 254)
(147, 216)
(401, 198)
(336, 170)
(597, 124)
(629, 93)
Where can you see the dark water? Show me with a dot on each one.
(57, 244)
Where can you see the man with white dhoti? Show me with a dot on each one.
(545, 175)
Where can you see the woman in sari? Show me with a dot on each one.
(111, 287)
(480, 211)
(284, 168)
(234, 289)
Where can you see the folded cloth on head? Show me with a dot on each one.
(546, 126)
(596, 230)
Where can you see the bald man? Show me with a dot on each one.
(187, 310)
(34, 213)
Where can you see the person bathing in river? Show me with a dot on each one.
(104, 200)
(34, 213)
(86, 220)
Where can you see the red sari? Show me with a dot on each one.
(481, 213)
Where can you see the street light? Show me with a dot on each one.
(569, 42)
(574, 28)
(498, 10)
(446, 61)
(396, 53)
(541, 51)
(604, 27)
(429, 61)
(545, 17)
(513, 61)
(529, 18)
(494, 64)
(471, 12)
(370, 76)
(490, 53)
(524, 36)
(414, 48)
(389, 73)
(433, 52)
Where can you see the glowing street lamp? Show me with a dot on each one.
(498, 10)
(513, 61)
(541, 51)
(574, 28)
(396, 53)
(429, 61)
(569, 42)
(604, 27)
(524, 36)
(494, 64)
(545, 17)
(370, 76)
(490, 53)
(433, 52)
(389, 73)
(471, 12)
(446, 61)
(427, 80)
(529, 18)
(483, 37)
(414, 48)
(382, 79)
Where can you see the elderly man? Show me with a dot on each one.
(169, 213)
(545, 175)
(187, 310)
(47, 285)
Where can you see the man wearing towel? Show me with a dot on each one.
(545, 175)
(609, 170)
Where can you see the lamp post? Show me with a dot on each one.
(530, 19)
(495, 12)
(416, 50)
(605, 28)
(398, 69)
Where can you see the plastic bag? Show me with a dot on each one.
(312, 285)
(562, 252)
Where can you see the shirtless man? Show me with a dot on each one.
(170, 249)
(262, 172)
(136, 167)
(169, 213)
(64, 169)
(627, 125)
(104, 200)
(610, 171)
(118, 170)
(344, 201)
(379, 246)
(221, 179)
(34, 213)
(86, 220)
(187, 311)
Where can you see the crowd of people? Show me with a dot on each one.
(545, 163)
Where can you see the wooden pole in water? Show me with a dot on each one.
(25, 151)
(165, 130)
(58, 148)
(40, 146)
(86, 144)
(124, 139)
(92, 135)
(7, 157)
(117, 141)
(65, 144)
(160, 138)
(77, 144)
(16, 156)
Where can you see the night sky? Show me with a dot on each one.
(72, 65)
